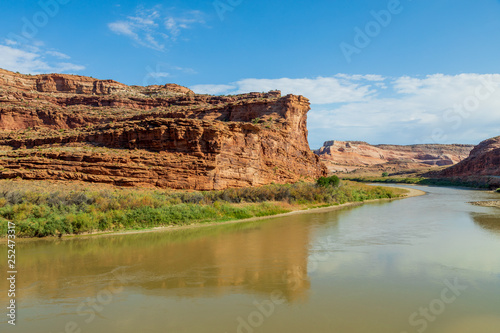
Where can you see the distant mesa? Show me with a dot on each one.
(77, 128)
(346, 156)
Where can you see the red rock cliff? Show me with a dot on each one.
(69, 127)
(350, 155)
(484, 160)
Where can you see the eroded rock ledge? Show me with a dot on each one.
(67, 127)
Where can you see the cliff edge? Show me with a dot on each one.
(76, 128)
(484, 160)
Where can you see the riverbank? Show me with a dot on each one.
(494, 203)
(410, 193)
(478, 182)
(209, 210)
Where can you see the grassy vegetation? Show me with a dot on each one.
(419, 181)
(498, 190)
(40, 211)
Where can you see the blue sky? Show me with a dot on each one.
(382, 71)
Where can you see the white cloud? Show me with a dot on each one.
(159, 74)
(434, 109)
(358, 77)
(175, 24)
(406, 110)
(123, 28)
(152, 28)
(63, 67)
(58, 55)
(321, 90)
(186, 70)
(33, 60)
(212, 89)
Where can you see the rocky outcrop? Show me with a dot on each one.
(346, 156)
(75, 84)
(484, 160)
(67, 127)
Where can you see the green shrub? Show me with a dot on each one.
(328, 181)
(385, 174)
(498, 190)
(3, 226)
(81, 222)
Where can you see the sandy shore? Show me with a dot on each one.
(495, 203)
(411, 193)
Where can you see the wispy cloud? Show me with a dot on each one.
(154, 27)
(34, 59)
(432, 109)
(321, 90)
(58, 54)
(213, 89)
(157, 74)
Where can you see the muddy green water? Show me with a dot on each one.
(423, 264)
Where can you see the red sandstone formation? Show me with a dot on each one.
(484, 160)
(67, 127)
(345, 156)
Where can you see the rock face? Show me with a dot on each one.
(484, 160)
(67, 127)
(345, 156)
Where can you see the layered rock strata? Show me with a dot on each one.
(350, 155)
(67, 127)
(481, 166)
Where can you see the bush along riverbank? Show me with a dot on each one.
(40, 211)
(474, 183)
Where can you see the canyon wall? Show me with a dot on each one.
(75, 128)
(345, 156)
(482, 166)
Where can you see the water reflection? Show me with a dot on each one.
(256, 257)
(490, 222)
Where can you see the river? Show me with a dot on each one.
(422, 264)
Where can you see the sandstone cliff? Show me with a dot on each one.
(484, 160)
(345, 156)
(67, 127)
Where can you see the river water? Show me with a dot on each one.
(422, 264)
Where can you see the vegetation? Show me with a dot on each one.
(255, 121)
(385, 174)
(498, 190)
(328, 181)
(420, 181)
(61, 209)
